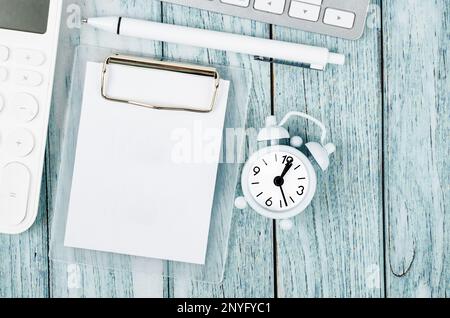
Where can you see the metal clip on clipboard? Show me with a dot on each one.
(164, 66)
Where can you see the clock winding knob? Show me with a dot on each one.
(296, 141)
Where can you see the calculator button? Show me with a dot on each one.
(343, 19)
(3, 74)
(28, 78)
(304, 11)
(25, 106)
(272, 6)
(20, 143)
(4, 53)
(239, 3)
(14, 191)
(29, 57)
(2, 102)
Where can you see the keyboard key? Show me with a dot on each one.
(272, 6)
(343, 19)
(25, 107)
(3, 74)
(277, 12)
(14, 192)
(28, 78)
(4, 53)
(304, 11)
(20, 143)
(239, 3)
(29, 57)
(316, 2)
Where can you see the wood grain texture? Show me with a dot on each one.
(417, 130)
(249, 272)
(335, 247)
(70, 280)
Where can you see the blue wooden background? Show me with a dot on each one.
(380, 223)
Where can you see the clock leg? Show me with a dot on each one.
(240, 203)
(286, 225)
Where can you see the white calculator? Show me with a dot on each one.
(28, 44)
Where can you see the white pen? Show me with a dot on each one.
(263, 49)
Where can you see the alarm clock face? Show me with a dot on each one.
(280, 181)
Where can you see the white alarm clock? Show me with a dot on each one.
(279, 182)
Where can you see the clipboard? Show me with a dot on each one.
(241, 82)
(164, 66)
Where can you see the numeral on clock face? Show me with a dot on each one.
(287, 159)
(279, 181)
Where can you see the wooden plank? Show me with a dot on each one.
(417, 128)
(71, 280)
(335, 248)
(249, 272)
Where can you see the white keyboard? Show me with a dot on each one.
(340, 18)
(27, 62)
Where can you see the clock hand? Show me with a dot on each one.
(286, 169)
(284, 197)
(279, 181)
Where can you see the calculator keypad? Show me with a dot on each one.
(21, 83)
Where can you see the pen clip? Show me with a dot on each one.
(283, 62)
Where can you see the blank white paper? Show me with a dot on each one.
(130, 192)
